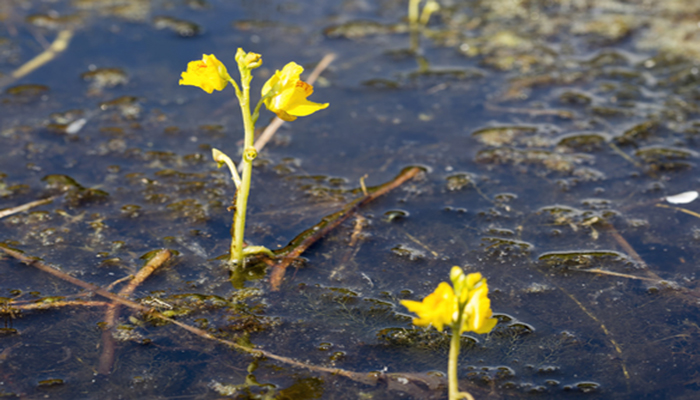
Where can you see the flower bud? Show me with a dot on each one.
(248, 60)
(458, 279)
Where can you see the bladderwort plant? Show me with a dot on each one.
(284, 94)
(464, 307)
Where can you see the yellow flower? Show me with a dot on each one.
(469, 299)
(285, 94)
(472, 291)
(207, 74)
(438, 308)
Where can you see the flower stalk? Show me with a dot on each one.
(239, 214)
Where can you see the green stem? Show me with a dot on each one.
(413, 11)
(236, 252)
(235, 87)
(256, 112)
(453, 385)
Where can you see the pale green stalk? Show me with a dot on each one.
(455, 342)
(249, 154)
(413, 11)
(453, 385)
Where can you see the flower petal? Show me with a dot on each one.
(305, 107)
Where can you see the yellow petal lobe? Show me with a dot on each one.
(436, 309)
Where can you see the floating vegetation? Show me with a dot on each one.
(359, 29)
(181, 27)
(583, 141)
(27, 90)
(638, 132)
(54, 22)
(549, 159)
(502, 135)
(507, 245)
(582, 259)
(459, 181)
(101, 78)
(409, 252)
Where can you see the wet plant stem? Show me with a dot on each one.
(453, 387)
(249, 153)
(452, 382)
(413, 11)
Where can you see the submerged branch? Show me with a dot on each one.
(607, 333)
(302, 242)
(58, 304)
(59, 45)
(24, 207)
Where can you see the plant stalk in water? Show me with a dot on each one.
(284, 94)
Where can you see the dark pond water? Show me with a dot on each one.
(550, 133)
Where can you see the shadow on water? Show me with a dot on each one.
(551, 133)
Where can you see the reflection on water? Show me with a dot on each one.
(551, 133)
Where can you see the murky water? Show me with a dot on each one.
(550, 133)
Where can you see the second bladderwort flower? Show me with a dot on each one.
(284, 94)
(464, 307)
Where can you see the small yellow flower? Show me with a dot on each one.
(444, 306)
(472, 291)
(208, 74)
(285, 94)
(477, 313)
(437, 308)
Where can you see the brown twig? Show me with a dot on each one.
(59, 304)
(683, 210)
(277, 122)
(302, 242)
(24, 207)
(118, 281)
(395, 381)
(353, 248)
(618, 274)
(360, 222)
(112, 313)
(608, 334)
(59, 45)
(631, 251)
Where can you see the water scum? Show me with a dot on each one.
(552, 135)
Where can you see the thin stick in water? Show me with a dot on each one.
(24, 207)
